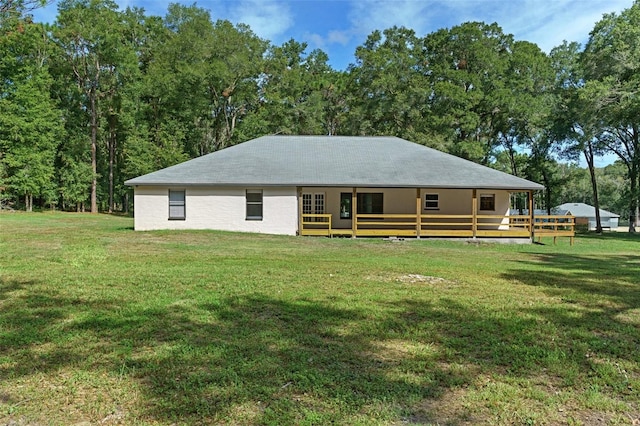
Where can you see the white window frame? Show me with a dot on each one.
(429, 204)
(176, 204)
(314, 203)
(253, 202)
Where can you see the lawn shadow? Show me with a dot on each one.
(595, 306)
(262, 360)
(246, 360)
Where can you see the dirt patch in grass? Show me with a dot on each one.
(417, 278)
(448, 409)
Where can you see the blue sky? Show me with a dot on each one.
(339, 26)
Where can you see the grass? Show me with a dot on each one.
(103, 325)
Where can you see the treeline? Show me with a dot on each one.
(104, 95)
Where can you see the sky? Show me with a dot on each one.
(339, 26)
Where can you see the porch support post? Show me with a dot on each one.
(531, 216)
(300, 219)
(354, 212)
(418, 213)
(474, 212)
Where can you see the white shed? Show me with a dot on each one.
(586, 215)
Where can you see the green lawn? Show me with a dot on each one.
(103, 325)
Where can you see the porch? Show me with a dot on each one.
(450, 219)
(458, 226)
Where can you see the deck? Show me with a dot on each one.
(430, 225)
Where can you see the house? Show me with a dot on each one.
(333, 185)
(586, 215)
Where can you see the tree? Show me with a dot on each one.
(16, 8)
(89, 34)
(30, 125)
(525, 105)
(467, 65)
(202, 80)
(611, 61)
(576, 124)
(389, 89)
(293, 91)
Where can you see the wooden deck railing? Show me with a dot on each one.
(316, 224)
(554, 226)
(431, 225)
(426, 225)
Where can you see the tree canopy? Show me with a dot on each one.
(103, 95)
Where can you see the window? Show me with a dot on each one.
(307, 202)
(313, 204)
(345, 205)
(431, 201)
(254, 204)
(370, 203)
(319, 198)
(176, 205)
(488, 202)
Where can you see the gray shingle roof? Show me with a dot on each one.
(584, 210)
(333, 161)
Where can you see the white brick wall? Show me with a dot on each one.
(217, 208)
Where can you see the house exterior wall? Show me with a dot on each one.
(403, 201)
(606, 222)
(220, 208)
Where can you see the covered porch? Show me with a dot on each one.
(416, 212)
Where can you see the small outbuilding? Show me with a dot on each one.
(586, 215)
(333, 186)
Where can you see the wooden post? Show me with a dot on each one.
(531, 215)
(354, 213)
(418, 213)
(300, 219)
(474, 212)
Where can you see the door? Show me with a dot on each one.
(313, 203)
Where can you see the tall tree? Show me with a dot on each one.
(15, 8)
(203, 78)
(30, 125)
(575, 122)
(611, 61)
(88, 33)
(526, 104)
(389, 89)
(293, 88)
(467, 65)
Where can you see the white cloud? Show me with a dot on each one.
(268, 19)
(546, 23)
(570, 20)
(338, 37)
(366, 16)
(315, 40)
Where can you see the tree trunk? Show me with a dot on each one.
(94, 142)
(547, 191)
(112, 154)
(588, 155)
(633, 200)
